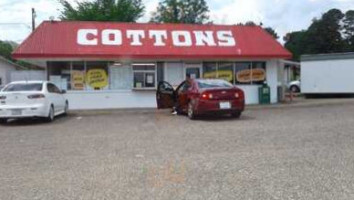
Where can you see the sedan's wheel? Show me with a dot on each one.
(294, 89)
(236, 115)
(3, 121)
(191, 114)
(66, 108)
(50, 117)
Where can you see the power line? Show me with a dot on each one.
(15, 24)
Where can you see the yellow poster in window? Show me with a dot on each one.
(222, 74)
(209, 74)
(246, 76)
(226, 75)
(78, 80)
(97, 78)
(258, 74)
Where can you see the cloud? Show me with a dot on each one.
(283, 15)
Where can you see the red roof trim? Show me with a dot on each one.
(58, 40)
(89, 56)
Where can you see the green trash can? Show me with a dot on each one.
(264, 94)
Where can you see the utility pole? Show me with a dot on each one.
(33, 19)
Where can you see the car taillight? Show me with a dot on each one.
(2, 97)
(207, 96)
(239, 94)
(36, 96)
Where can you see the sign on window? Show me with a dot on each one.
(78, 80)
(97, 78)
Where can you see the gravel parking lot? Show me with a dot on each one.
(287, 153)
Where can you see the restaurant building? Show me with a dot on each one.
(118, 65)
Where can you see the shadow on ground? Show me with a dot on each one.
(37, 121)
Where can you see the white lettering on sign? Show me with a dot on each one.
(180, 38)
(136, 36)
(226, 39)
(111, 37)
(159, 36)
(83, 36)
(204, 38)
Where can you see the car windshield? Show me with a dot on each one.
(23, 87)
(214, 84)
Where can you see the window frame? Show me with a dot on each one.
(145, 72)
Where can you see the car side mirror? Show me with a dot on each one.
(63, 91)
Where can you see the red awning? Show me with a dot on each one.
(109, 40)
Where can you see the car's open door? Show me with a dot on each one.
(165, 95)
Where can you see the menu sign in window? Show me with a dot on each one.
(97, 78)
(78, 80)
(247, 75)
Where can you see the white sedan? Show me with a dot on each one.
(294, 86)
(27, 99)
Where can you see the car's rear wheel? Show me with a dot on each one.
(190, 111)
(236, 115)
(3, 121)
(294, 89)
(51, 114)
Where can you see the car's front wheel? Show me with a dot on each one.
(190, 111)
(3, 121)
(51, 114)
(294, 89)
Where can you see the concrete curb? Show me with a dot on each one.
(303, 103)
(296, 104)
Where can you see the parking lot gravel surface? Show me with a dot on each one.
(285, 153)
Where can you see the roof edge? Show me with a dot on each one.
(328, 56)
(11, 63)
(27, 39)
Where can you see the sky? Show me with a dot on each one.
(282, 15)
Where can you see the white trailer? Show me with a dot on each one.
(326, 74)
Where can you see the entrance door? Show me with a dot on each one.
(193, 70)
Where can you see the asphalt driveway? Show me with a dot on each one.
(277, 153)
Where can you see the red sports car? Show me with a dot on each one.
(202, 96)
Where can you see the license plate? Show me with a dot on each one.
(225, 105)
(16, 112)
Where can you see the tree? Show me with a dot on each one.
(272, 32)
(348, 26)
(181, 11)
(323, 36)
(103, 10)
(6, 49)
(296, 43)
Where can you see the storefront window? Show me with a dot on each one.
(250, 73)
(226, 72)
(144, 76)
(258, 73)
(120, 76)
(243, 73)
(210, 70)
(59, 74)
